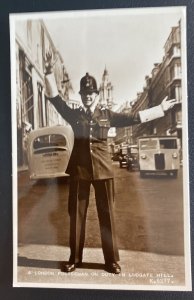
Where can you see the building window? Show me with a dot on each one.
(178, 93)
(40, 104)
(177, 70)
(28, 99)
(26, 89)
(155, 130)
(46, 111)
(179, 117)
(171, 72)
(177, 50)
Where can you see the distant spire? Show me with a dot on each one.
(105, 71)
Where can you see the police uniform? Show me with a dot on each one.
(90, 163)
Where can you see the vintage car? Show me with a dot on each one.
(49, 150)
(123, 156)
(132, 158)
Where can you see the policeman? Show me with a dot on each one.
(90, 163)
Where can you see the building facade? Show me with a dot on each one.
(32, 108)
(165, 80)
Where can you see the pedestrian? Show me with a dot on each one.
(90, 163)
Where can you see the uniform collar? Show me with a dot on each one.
(91, 108)
(96, 111)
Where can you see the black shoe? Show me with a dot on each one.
(70, 267)
(113, 268)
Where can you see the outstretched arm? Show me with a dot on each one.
(51, 90)
(157, 111)
(52, 93)
(122, 120)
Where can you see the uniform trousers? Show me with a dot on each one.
(79, 193)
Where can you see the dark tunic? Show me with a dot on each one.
(90, 159)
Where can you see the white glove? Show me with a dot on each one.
(168, 104)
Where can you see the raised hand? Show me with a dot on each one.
(168, 104)
(49, 63)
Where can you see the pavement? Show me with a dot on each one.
(39, 266)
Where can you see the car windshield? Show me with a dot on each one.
(168, 144)
(148, 144)
(133, 150)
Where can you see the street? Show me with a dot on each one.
(149, 224)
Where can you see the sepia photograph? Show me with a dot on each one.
(100, 166)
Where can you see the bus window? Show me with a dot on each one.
(53, 142)
(168, 144)
(148, 144)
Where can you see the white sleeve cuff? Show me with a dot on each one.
(51, 90)
(151, 114)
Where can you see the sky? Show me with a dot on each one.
(126, 41)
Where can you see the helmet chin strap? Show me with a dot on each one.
(94, 104)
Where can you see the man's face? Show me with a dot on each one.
(88, 98)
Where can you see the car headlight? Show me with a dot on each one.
(174, 155)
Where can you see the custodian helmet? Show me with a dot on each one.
(88, 84)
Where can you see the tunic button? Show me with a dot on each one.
(91, 151)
